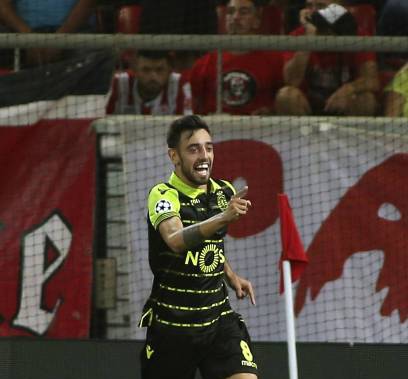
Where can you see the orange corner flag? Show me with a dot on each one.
(292, 246)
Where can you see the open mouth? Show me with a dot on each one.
(202, 168)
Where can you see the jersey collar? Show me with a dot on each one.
(186, 189)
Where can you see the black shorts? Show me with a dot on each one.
(218, 353)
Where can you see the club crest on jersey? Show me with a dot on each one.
(163, 206)
(222, 200)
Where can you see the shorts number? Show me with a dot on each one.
(246, 351)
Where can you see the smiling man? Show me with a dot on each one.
(190, 322)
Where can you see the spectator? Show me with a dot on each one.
(47, 16)
(249, 79)
(328, 82)
(396, 95)
(150, 88)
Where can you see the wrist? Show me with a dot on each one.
(223, 218)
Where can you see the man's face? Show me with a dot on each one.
(242, 17)
(193, 158)
(152, 76)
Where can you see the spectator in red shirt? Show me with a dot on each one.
(151, 88)
(328, 82)
(250, 79)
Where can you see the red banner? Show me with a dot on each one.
(47, 201)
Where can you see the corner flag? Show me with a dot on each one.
(292, 246)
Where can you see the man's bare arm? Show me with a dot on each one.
(241, 286)
(180, 238)
(78, 16)
(11, 19)
(295, 69)
(367, 79)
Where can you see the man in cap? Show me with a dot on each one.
(328, 83)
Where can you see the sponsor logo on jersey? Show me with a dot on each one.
(249, 364)
(163, 190)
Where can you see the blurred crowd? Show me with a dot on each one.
(253, 82)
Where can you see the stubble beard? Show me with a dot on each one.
(195, 179)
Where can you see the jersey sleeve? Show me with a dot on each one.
(163, 203)
(400, 83)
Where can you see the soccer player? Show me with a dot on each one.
(190, 322)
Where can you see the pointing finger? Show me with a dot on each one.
(242, 192)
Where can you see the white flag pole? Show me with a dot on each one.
(290, 321)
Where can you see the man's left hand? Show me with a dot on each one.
(242, 287)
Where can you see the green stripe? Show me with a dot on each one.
(170, 254)
(183, 308)
(165, 216)
(186, 290)
(178, 273)
(190, 221)
(194, 325)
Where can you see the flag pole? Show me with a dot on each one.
(290, 321)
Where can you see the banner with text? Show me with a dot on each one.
(46, 228)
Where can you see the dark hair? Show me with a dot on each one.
(154, 54)
(344, 25)
(177, 127)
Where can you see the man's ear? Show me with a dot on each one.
(174, 157)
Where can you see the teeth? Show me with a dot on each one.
(203, 166)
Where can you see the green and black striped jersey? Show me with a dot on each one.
(189, 289)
